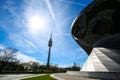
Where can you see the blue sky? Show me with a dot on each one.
(27, 24)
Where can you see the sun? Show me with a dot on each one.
(37, 24)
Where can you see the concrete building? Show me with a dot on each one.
(97, 30)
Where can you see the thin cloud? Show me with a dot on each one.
(52, 13)
(65, 34)
(24, 58)
(50, 9)
(30, 43)
(23, 44)
(76, 3)
(2, 46)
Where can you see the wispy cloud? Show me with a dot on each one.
(25, 58)
(22, 44)
(30, 43)
(52, 14)
(65, 34)
(2, 46)
(50, 9)
(82, 54)
(9, 6)
(71, 2)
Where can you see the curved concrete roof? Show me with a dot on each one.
(97, 25)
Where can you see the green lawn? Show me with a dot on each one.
(45, 77)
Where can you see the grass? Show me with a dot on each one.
(45, 77)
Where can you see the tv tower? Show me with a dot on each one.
(49, 45)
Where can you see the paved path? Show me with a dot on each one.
(65, 76)
(17, 76)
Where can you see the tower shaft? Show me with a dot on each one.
(48, 60)
(49, 51)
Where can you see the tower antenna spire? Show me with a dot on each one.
(51, 36)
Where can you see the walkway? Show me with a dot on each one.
(65, 76)
(17, 76)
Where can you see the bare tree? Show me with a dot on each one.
(7, 55)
